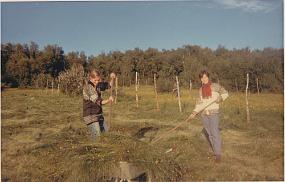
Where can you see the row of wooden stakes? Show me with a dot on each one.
(156, 94)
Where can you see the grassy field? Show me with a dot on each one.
(45, 139)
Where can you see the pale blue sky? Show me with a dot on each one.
(95, 27)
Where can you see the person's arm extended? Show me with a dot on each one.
(106, 101)
(203, 104)
(223, 94)
(89, 93)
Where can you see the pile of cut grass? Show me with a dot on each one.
(70, 157)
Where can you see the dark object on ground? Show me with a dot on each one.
(140, 134)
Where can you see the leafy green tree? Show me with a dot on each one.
(18, 67)
(22, 64)
(52, 60)
(6, 53)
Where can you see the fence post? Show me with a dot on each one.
(138, 81)
(257, 85)
(137, 98)
(47, 86)
(116, 91)
(111, 103)
(236, 85)
(123, 81)
(246, 99)
(178, 93)
(52, 86)
(155, 90)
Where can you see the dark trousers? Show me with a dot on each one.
(102, 124)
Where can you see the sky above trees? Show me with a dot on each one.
(95, 27)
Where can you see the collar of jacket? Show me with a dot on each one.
(89, 82)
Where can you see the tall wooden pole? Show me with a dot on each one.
(246, 99)
(123, 80)
(116, 90)
(138, 81)
(155, 90)
(257, 86)
(110, 111)
(58, 85)
(137, 98)
(178, 94)
(236, 85)
(52, 86)
(47, 86)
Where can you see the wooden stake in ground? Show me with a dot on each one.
(236, 85)
(257, 86)
(190, 85)
(110, 111)
(138, 81)
(52, 86)
(58, 85)
(246, 98)
(155, 90)
(116, 89)
(123, 81)
(137, 98)
(47, 86)
(178, 94)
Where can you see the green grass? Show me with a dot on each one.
(45, 139)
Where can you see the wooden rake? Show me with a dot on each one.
(180, 124)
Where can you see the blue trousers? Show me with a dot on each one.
(97, 128)
(211, 124)
(94, 130)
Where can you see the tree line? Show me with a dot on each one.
(25, 65)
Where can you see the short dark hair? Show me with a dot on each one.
(94, 73)
(204, 72)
